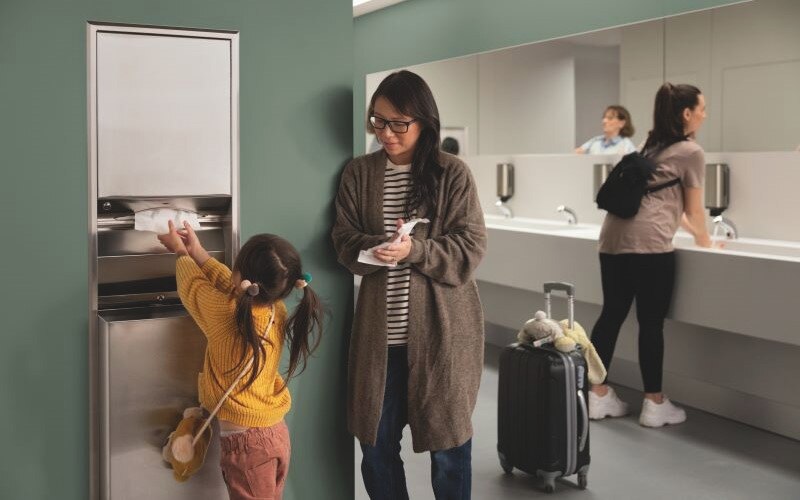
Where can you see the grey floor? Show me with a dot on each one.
(707, 457)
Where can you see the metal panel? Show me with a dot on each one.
(164, 115)
(149, 360)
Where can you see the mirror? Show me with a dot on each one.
(549, 97)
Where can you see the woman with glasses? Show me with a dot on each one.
(416, 352)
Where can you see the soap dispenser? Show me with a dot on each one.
(717, 188)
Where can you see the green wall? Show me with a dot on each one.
(296, 60)
(419, 31)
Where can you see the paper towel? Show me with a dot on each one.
(155, 219)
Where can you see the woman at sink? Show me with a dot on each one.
(637, 259)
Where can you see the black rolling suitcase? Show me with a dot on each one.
(542, 414)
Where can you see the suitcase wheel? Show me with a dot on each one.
(507, 467)
(549, 485)
(583, 481)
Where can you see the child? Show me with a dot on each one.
(244, 318)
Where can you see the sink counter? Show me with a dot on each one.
(749, 287)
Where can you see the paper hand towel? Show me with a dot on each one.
(367, 256)
(155, 219)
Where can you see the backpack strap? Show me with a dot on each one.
(659, 187)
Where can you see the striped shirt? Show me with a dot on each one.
(396, 185)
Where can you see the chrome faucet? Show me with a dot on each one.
(572, 217)
(505, 209)
(727, 227)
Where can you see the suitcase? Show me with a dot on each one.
(542, 415)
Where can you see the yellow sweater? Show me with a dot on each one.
(208, 295)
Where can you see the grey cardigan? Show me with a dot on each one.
(445, 331)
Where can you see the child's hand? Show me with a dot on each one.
(193, 245)
(173, 241)
(191, 241)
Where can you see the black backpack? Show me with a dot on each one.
(622, 192)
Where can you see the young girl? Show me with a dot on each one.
(244, 318)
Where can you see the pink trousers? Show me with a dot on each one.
(255, 462)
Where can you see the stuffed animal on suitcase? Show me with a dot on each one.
(543, 419)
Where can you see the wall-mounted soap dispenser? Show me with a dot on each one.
(505, 181)
(717, 188)
(601, 171)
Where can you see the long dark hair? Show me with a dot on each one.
(622, 114)
(410, 95)
(274, 265)
(668, 126)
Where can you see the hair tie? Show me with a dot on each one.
(249, 287)
(304, 281)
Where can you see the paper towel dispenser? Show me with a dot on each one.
(133, 268)
(163, 114)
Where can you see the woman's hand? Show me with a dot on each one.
(193, 245)
(398, 249)
(173, 241)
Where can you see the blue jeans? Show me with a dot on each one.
(382, 467)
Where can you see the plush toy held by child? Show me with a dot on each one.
(183, 453)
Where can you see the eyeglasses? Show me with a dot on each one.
(396, 126)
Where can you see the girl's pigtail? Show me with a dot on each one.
(303, 331)
(250, 337)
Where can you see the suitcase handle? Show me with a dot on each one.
(569, 288)
(585, 415)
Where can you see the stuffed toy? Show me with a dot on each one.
(185, 454)
(597, 372)
(540, 330)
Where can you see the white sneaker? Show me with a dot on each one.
(606, 406)
(658, 415)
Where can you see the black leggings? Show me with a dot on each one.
(649, 278)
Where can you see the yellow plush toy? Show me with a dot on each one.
(183, 452)
(597, 372)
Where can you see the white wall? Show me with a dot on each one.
(746, 60)
(762, 188)
(520, 92)
(596, 88)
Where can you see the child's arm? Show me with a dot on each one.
(209, 306)
(216, 272)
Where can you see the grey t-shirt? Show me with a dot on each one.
(651, 230)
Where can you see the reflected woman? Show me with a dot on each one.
(416, 350)
(637, 259)
(617, 131)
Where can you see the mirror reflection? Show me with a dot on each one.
(551, 97)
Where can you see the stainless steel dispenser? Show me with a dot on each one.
(601, 171)
(161, 134)
(505, 181)
(717, 188)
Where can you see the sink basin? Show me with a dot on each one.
(776, 249)
(525, 224)
(748, 246)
